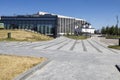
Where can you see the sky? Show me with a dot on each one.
(98, 12)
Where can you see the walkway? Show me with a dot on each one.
(70, 59)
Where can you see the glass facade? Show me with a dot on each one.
(42, 24)
(47, 24)
(45, 29)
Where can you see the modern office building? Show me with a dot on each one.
(44, 23)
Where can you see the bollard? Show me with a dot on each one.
(9, 35)
(119, 41)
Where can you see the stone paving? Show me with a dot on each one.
(70, 59)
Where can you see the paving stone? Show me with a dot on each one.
(71, 59)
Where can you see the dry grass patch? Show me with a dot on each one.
(21, 35)
(12, 66)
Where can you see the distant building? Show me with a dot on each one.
(87, 29)
(46, 23)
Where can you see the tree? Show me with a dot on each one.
(107, 30)
(116, 30)
(103, 31)
(119, 31)
(111, 29)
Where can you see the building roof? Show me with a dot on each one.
(79, 19)
(60, 16)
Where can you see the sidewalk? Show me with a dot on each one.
(70, 59)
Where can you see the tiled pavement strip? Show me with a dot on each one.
(70, 59)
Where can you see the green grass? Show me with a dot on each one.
(114, 47)
(112, 37)
(77, 37)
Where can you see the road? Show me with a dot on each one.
(70, 59)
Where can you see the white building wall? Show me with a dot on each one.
(89, 30)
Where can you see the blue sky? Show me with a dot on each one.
(98, 12)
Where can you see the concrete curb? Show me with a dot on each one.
(29, 72)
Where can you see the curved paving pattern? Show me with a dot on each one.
(71, 59)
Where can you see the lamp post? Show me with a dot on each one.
(117, 20)
(117, 23)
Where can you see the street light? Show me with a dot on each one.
(117, 20)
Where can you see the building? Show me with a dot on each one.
(44, 23)
(1, 26)
(87, 29)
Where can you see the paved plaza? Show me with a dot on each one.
(69, 59)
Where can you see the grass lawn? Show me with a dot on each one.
(77, 37)
(112, 37)
(115, 47)
(12, 66)
(22, 35)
